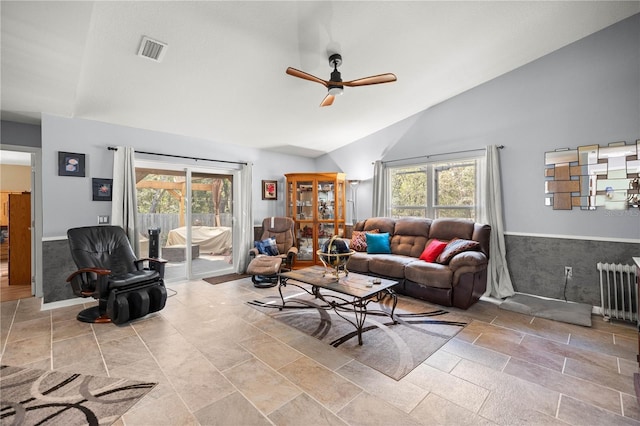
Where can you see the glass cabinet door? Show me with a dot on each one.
(340, 208)
(304, 235)
(304, 200)
(326, 200)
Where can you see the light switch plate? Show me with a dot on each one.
(103, 220)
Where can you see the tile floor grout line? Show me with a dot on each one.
(13, 320)
(276, 371)
(104, 361)
(558, 406)
(169, 381)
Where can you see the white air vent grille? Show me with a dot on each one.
(152, 49)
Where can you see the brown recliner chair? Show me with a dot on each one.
(264, 268)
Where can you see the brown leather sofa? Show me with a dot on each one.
(459, 283)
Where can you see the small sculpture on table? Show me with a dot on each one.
(334, 255)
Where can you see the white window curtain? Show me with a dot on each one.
(241, 255)
(498, 279)
(124, 205)
(379, 189)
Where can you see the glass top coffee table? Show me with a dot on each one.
(354, 292)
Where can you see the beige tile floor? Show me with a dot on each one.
(218, 361)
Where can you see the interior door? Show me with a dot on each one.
(20, 239)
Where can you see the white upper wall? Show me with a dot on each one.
(67, 201)
(585, 93)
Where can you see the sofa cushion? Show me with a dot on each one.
(429, 274)
(378, 243)
(433, 250)
(359, 262)
(456, 246)
(448, 229)
(384, 224)
(389, 265)
(410, 236)
(359, 239)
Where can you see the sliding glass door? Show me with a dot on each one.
(189, 212)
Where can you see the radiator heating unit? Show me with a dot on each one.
(618, 291)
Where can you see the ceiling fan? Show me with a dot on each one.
(335, 85)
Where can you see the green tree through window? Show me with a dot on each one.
(435, 190)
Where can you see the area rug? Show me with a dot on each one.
(569, 312)
(33, 397)
(225, 278)
(392, 349)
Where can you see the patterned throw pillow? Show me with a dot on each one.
(359, 239)
(267, 246)
(455, 246)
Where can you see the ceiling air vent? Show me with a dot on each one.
(152, 49)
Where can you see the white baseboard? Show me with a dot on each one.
(63, 303)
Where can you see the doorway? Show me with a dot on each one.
(16, 218)
(189, 210)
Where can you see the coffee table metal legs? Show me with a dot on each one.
(337, 303)
(360, 309)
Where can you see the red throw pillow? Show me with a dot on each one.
(456, 246)
(433, 250)
(359, 239)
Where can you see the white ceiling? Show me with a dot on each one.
(223, 76)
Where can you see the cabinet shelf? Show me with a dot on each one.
(317, 204)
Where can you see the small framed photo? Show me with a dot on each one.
(70, 164)
(269, 189)
(102, 189)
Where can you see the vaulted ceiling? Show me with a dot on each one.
(222, 76)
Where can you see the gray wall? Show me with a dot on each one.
(20, 134)
(70, 197)
(585, 93)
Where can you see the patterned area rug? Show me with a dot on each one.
(33, 397)
(225, 278)
(392, 349)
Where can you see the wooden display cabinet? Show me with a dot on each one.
(317, 204)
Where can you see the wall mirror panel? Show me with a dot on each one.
(593, 176)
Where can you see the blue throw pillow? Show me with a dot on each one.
(267, 246)
(378, 243)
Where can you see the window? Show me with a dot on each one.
(435, 190)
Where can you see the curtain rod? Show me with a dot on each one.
(436, 155)
(113, 148)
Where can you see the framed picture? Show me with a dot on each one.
(70, 164)
(102, 189)
(269, 189)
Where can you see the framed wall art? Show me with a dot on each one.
(102, 189)
(70, 164)
(269, 189)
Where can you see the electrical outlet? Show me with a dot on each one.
(568, 271)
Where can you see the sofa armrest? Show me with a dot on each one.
(468, 258)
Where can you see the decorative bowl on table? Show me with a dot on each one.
(334, 255)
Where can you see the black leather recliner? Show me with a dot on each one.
(109, 271)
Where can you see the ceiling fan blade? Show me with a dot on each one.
(301, 74)
(374, 79)
(328, 100)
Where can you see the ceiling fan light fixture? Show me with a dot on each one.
(336, 90)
